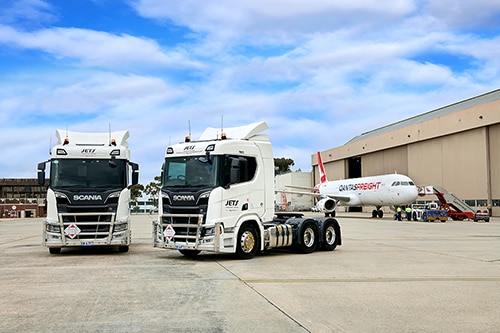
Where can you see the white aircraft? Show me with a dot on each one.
(378, 191)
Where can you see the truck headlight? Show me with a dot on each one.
(121, 227)
(53, 228)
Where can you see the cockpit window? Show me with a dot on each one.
(403, 183)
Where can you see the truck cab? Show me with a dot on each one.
(217, 195)
(88, 197)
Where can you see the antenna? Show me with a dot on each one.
(109, 128)
(188, 138)
(222, 134)
(66, 140)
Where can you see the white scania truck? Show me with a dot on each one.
(88, 198)
(218, 193)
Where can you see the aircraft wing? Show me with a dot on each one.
(343, 198)
(301, 187)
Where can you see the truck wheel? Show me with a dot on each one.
(247, 243)
(190, 253)
(308, 238)
(424, 217)
(54, 250)
(123, 248)
(329, 236)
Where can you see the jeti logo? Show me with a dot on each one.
(183, 197)
(232, 203)
(87, 197)
(88, 151)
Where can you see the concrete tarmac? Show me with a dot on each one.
(388, 276)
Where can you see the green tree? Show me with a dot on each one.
(152, 189)
(283, 165)
(135, 192)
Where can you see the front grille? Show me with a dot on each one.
(186, 227)
(87, 209)
(84, 218)
(90, 226)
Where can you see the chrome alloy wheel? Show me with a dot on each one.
(247, 241)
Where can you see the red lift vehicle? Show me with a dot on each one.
(458, 209)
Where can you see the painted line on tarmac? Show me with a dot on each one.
(371, 280)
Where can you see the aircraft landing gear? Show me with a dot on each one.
(377, 213)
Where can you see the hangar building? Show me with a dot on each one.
(456, 147)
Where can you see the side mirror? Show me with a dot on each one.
(135, 173)
(41, 174)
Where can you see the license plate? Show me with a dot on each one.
(87, 244)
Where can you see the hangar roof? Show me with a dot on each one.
(445, 110)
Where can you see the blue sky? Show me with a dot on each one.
(319, 72)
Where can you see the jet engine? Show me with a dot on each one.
(326, 205)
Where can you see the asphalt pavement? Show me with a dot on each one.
(388, 276)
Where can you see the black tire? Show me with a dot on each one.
(123, 248)
(424, 217)
(308, 238)
(329, 236)
(374, 213)
(247, 243)
(54, 250)
(190, 253)
(380, 213)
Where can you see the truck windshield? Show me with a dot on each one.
(88, 173)
(188, 171)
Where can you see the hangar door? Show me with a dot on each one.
(354, 167)
(354, 171)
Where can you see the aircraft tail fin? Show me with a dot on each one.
(322, 174)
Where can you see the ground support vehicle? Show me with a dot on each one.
(218, 194)
(88, 197)
(457, 209)
(428, 212)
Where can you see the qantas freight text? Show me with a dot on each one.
(360, 186)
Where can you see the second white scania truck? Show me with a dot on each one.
(217, 195)
(88, 198)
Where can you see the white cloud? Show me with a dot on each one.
(277, 16)
(98, 48)
(33, 12)
(466, 14)
(319, 72)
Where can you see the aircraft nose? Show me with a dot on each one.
(414, 192)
